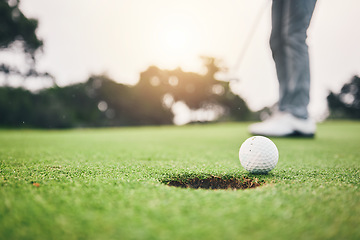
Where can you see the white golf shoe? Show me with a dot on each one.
(283, 124)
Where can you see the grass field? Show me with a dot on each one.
(107, 184)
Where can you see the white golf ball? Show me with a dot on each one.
(258, 155)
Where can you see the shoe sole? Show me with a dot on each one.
(301, 135)
(295, 134)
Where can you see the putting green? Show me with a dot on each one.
(108, 184)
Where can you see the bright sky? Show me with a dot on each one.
(122, 38)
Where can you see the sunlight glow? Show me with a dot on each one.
(175, 41)
(178, 39)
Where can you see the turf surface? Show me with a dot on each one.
(108, 184)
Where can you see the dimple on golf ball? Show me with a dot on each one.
(258, 155)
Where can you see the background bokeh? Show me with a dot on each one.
(122, 40)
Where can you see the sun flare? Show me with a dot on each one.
(177, 40)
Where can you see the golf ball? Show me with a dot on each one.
(258, 155)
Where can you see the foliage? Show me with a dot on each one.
(18, 31)
(195, 90)
(102, 102)
(346, 104)
(15, 26)
(47, 109)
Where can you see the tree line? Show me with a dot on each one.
(101, 101)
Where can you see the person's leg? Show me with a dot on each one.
(290, 20)
(293, 70)
(277, 45)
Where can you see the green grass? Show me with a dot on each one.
(107, 184)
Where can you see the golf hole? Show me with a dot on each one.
(214, 183)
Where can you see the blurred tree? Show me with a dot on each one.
(346, 104)
(100, 101)
(18, 30)
(14, 26)
(195, 90)
(51, 108)
(125, 105)
(14, 105)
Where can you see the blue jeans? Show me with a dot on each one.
(290, 21)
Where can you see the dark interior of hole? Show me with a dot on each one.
(215, 182)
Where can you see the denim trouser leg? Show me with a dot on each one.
(290, 21)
